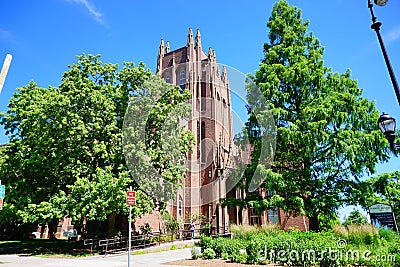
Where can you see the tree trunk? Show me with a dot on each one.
(53, 228)
(314, 223)
(111, 231)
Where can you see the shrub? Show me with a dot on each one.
(388, 234)
(171, 224)
(145, 229)
(196, 252)
(240, 256)
(221, 245)
(209, 254)
(363, 234)
(306, 248)
(205, 242)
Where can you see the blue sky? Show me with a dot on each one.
(44, 37)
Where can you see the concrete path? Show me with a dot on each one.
(149, 260)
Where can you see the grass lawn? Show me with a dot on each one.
(44, 248)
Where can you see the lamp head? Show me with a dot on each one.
(380, 2)
(387, 123)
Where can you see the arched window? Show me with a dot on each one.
(182, 78)
(168, 79)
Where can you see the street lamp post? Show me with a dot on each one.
(376, 25)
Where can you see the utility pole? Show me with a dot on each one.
(4, 70)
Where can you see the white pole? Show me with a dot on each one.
(4, 70)
(129, 232)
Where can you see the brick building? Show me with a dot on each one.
(213, 156)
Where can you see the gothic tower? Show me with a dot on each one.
(211, 123)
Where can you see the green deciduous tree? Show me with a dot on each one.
(382, 189)
(155, 142)
(65, 154)
(327, 135)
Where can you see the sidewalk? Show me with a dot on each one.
(121, 260)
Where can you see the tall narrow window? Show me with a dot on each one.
(273, 216)
(203, 143)
(254, 218)
(168, 79)
(182, 78)
(203, 97)
(180, 204)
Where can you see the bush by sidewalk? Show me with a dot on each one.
(364, 245)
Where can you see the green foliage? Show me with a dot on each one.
(362, 234)
(356, 234)
(65, 154)
(327, 135)
(171, 223)
(241, 231)
(307, 248)
(198, 218)
(384, 188)
(208, 254)
(195, 252)
(327, 221)
(154, 141)
(389, 235)
(355, 217)
(145, 229)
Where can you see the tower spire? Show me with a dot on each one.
(161, 48)
(198, 40)
(190, 41)
(211, 55)
(224, 75)
(161, 52)
(167, 47)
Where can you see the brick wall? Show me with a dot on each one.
(288, 221)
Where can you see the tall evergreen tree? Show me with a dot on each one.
(327, 135)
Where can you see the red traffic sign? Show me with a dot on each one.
(131, 202)
(131, 194)
(131, 198)
(1, 203)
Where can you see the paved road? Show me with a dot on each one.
(148, 260)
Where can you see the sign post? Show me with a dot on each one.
(2, 194)
(130, 201)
